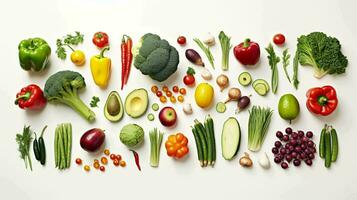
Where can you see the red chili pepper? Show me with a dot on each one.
(137, 161)
(129, 45)
(31, 97)
(322, 100)
(123, 61)
(100, 39)
(247, 52)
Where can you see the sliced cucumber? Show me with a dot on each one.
(260, 89)
(230, 139)
(261, 81)
(221, 107)
(155, 107)
(151, 117)
(245, 78)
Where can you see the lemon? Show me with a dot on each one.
(204, 95)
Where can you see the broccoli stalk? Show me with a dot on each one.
(62, 87)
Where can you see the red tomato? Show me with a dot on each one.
(189, 79)
(79, 161)
(158, 93)
(175, 89)
(100, 39)
(181, 40)
(279, 39)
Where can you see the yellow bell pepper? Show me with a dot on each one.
(100, 67)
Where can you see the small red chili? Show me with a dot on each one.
(137, 160)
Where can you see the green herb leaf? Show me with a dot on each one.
(206, 50)
(24, 141)
(273, 61)
(68, 40)
(286, 62)
(94, 101)
(295, 68)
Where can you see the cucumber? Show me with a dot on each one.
(261, 81)
(201, 134)
(322, 143)
(221, 107)
(209, 143)
(211, 129)
(327, 140)
(230, 139)
(155, 107)
(151, 117)
(260, 89)
(334, 144)
(198, 146)
(244, 78)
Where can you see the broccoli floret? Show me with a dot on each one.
(321, 52)
(170, 68)
(62, 87)
(152, 56)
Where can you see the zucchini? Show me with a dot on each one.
(230, 139)
(221, 107)
(261, 81)
(322, 143)
(334, 144)
(244, 78)
(261, 89)
(327, 140)
(211, 129)
(198, 146)
(200, 130)
(209, 143)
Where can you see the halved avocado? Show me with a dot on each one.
(113, 109)
(136, 103)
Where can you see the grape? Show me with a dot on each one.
(277, 160)
(287, 151)
(286, 138)
(310, 143)
(303, 146)
(309, 134)
(308, 162)
(279, 134)
(288, 158)
(311, 156)
(303, 156)
(293, 142)
(291, 148)
(295, 135)
(278, 144)
(305, 139)
(293, 154)
(313, 150)
(296, 162)
(282, 151)
(298, 149)
(288, 130)
(275, 150)
(300, 134)
(284, 165)
(307, 151)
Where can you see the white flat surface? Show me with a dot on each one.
(185, 179)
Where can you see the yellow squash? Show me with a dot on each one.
(100, 67)
(204, 95)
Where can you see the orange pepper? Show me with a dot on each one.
(176, 145)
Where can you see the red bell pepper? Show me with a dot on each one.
(322, 100)
(31, 97)
(247, 52)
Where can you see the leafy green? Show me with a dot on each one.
(273, 61)
(62, 87)
(225, 42)
(206, 50)
(322, 52)
(259, 120)
(155, 144)
(286, 62)
(68, 40)
(296, 68)
(24, 142)
(94, 102)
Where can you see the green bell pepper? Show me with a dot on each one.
(34, 54)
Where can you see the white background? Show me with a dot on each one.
(184, 179)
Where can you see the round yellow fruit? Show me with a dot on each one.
(78, 58)
(204, 95)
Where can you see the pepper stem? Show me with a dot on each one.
(322, 100)
(101, 55)
(246, 43)
(25, 97)
(43, 130)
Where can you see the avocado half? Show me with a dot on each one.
(136, 103)
(113, 109)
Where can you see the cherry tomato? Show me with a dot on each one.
(86, 168)
(106, 152)
(175, 89)
(112, 156)
(119, 157)
(279, 39)
(116, 162)
(180, 98)
(181, 40)
(182, 91)
(122, 163)
(154, 89)
(168, 93)
(104, 160)
(96, 165)
(188, 80)
(173, 99)
(158, 93)
(79, 161)
(102, 168)
(96, 161)
(163, 99)
(165, 88)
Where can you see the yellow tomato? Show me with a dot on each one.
(78, 58)
(204, 95)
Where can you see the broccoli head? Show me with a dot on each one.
(322, 52)
(155, 57)
(62, 87)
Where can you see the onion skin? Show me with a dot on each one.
(233, 94)
(194, 57)
(222, 81)
(245, 161)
